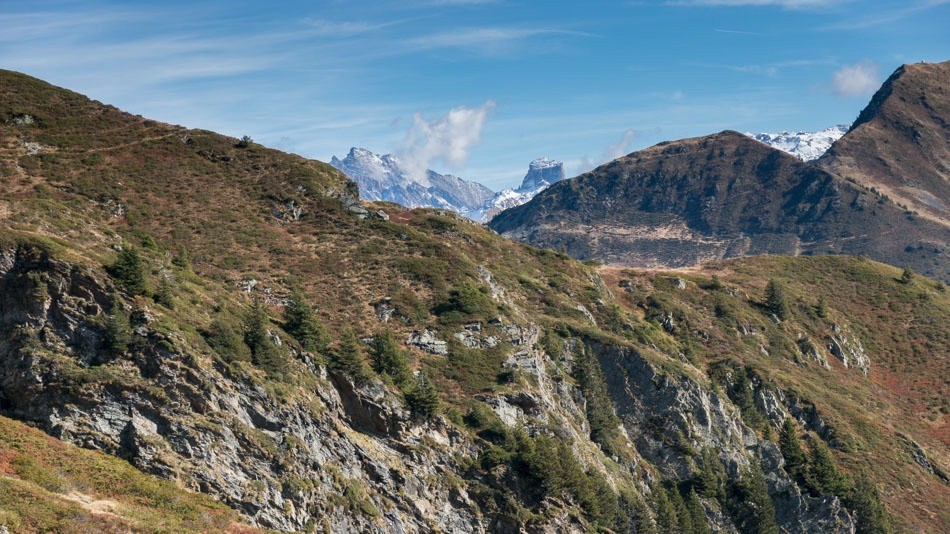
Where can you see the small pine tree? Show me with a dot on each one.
(244, 142)
(226, 338)
(664, 513)
(823, 476)
(471, 298)
(822, 308)
(347, 358)
(907, 276)
(163, 295)
(118, 332)
(182, 259)
(255, 326)
(390, 359)
(265, 354)
(791, 449)
(870, 515)
(775, 301)
(302, 323)
(711, 476)
(697, 513)
(754, 511)
(422, 398)
(683, 517)
(129, 271)
(604, 423)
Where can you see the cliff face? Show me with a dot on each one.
(569, 397)
(724, 195)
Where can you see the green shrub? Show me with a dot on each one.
(227, 339)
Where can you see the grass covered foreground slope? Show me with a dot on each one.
(232, 318)
(49, 486)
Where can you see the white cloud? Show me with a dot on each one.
(487, 40)
(612, 152)
(856, 80)
(621, 147)
(447, 139)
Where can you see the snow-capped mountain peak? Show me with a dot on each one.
(382, 177)
(807, 146)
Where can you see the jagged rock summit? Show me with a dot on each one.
(542, 172)
(384, 178)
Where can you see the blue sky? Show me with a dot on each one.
(476, 87)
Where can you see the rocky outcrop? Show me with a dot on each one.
(335, 456)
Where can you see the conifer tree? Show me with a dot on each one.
(347, 358)
(754, 511)
(163, 295)
(129, 271)
(118, 332)
(422, 397)
(683, 518)
(604, 423)
(390, 359)
(775, 301)
(302, 323)
(791, 448)
(265, 354)
(870, 515)
(711, 476)
(226, 338)
(664, 512)
(697, 513)
(822, 308)
(823, 476)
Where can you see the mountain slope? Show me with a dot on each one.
(684, 202)
(900, 143)
(49, 486)
(807, 146)
(383, 178)
(571, 398)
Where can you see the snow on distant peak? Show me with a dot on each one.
(807, 146)
(542, 172)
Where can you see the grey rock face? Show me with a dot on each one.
(383, 178)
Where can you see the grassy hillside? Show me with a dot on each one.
(218, 225)
(49, 486)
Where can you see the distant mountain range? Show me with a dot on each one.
(382, 177)
(806, 146)
(880, 191)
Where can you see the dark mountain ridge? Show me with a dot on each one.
(683, 202)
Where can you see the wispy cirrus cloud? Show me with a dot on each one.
(484, 39)
(786, 4)
(888, 16)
